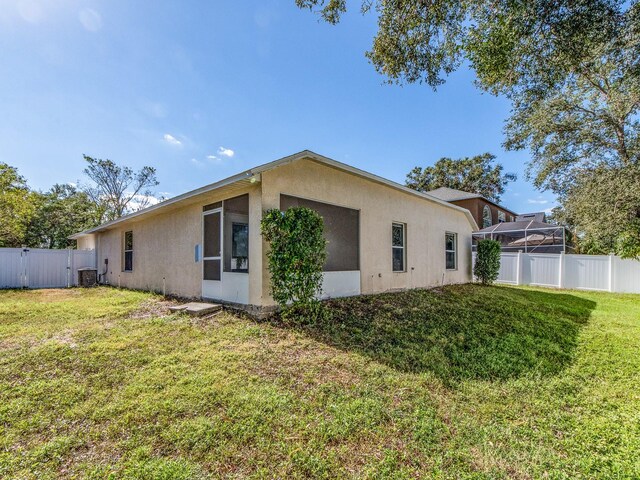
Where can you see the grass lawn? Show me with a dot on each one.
(461, 382)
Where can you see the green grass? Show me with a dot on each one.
(462, 382)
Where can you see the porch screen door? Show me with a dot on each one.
(212, 243)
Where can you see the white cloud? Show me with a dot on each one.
(214, 159)
(90, 20)
(226, 152)
(143, 201)
(171, 140)
(197, 162)
(537, 202)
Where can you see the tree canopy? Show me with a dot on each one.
(477, 174)
(61, 212)
(603, 206)
(118, 190)
(47, 219)
(17, 207)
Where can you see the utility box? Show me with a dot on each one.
(87, 277)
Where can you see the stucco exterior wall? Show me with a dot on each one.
(379, 207)
(164, 248)
(87, 242)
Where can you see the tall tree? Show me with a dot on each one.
(119, 190)
(17, 207)
(587, 123)
(570, 67)
(476, 174)
(603, 209)
(61, 212)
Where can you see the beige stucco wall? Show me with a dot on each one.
(88, 242)
(164, 248)
(379, 207)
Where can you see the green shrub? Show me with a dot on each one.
(487, 261)
(296, 255)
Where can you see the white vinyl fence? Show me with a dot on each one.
(42, 268)
(588, 272)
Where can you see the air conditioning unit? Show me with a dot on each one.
(87, 277)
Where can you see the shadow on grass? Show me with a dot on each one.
(457, 332)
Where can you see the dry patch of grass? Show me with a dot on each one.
(154, 307)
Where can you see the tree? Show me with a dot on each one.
(471, 174)
(587, 123)
(61, 212)
(297, 252)
(571, 69)
(603, 209)
(487, 265)
(507, 43)
(118, 190)
(17, 206)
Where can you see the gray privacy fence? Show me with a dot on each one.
(587, 272)
(42, 268)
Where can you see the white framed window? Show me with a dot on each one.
(486, 217)
(398, 246)
(451, 250)
(128, 252)
(502, 217)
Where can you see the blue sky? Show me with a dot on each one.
(203, 90)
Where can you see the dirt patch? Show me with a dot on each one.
(299, 363)
(47, 295)
(64, 338)
(155, 307)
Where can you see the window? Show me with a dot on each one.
(128, 251)
(341, 231)
(502, 217)
(450, 250)
(486, 217)
(212, 206)
(398, 237)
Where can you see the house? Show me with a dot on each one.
(484, 211)
(206, 243)
(529, 233)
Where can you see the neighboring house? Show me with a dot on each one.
(206, 243)
(484, 211)
(529, 233)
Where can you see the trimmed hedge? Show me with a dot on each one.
(487, 264)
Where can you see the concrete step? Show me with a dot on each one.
(197, 309)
